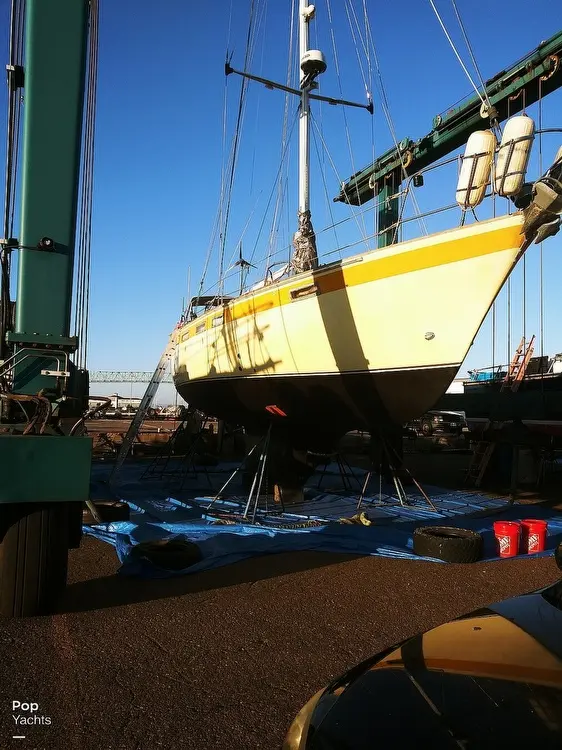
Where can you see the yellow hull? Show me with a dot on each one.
(414, 306)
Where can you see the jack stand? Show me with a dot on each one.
(395, 472)
(159, 466)
(345, 471)
(258, 474)
(255, 489)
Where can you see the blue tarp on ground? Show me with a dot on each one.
(222, 545)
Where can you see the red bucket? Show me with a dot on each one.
(507, 535)
(533, 535)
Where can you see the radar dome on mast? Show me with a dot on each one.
(313, 63)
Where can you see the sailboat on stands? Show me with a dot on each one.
(317, 350)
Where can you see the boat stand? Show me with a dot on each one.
(392, 461)
(158, 468)
(252, 502)
(345, 471)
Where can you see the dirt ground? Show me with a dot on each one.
(225, 658)
(222, 659)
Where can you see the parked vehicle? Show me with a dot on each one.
(490, 679)
(439, 423)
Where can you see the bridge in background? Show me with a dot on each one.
(122, 376)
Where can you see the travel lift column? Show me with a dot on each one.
(45, 476)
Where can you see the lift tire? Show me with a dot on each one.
(33, 557)
(109, 510)
(448, 543)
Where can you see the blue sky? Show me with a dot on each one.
(159, 145)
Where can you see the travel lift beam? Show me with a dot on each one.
(45, 477)
(534, 76)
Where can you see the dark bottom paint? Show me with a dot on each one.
(319, 409)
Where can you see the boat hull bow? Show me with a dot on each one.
(368, 342)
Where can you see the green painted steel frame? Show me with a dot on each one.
(55, 61)
(509, 92)
(55, 64)
(44, 468)
(387, 209)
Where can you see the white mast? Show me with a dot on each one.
(306, 13)
(312, 63)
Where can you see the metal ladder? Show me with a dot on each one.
(515, 374)
(144, 405)
(480, 459)
(518, 366)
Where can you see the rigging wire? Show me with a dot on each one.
(224, 164)
(83, 259)
(236, 141)
(386, 111)
(471, 53)
(541, 256)
(287, 247)
(258, 25)
(457, 55)
(12, 152)
(370, 82)
(357, 215)
(325, 185)
(277, 178)
(280, 185)
(362, 226)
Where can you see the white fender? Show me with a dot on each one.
(513, 154)
(476, 167)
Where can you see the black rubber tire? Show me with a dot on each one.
(426, 428)
(109, 510)
(33, 557)
(448, 543)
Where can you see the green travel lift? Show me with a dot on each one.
(527, 81)
(44, 460)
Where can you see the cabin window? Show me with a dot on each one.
(218, 321)
(200, 328)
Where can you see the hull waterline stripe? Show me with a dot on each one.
(429, 255)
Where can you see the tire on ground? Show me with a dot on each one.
(448, 543)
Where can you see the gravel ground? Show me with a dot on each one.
(223, 659)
